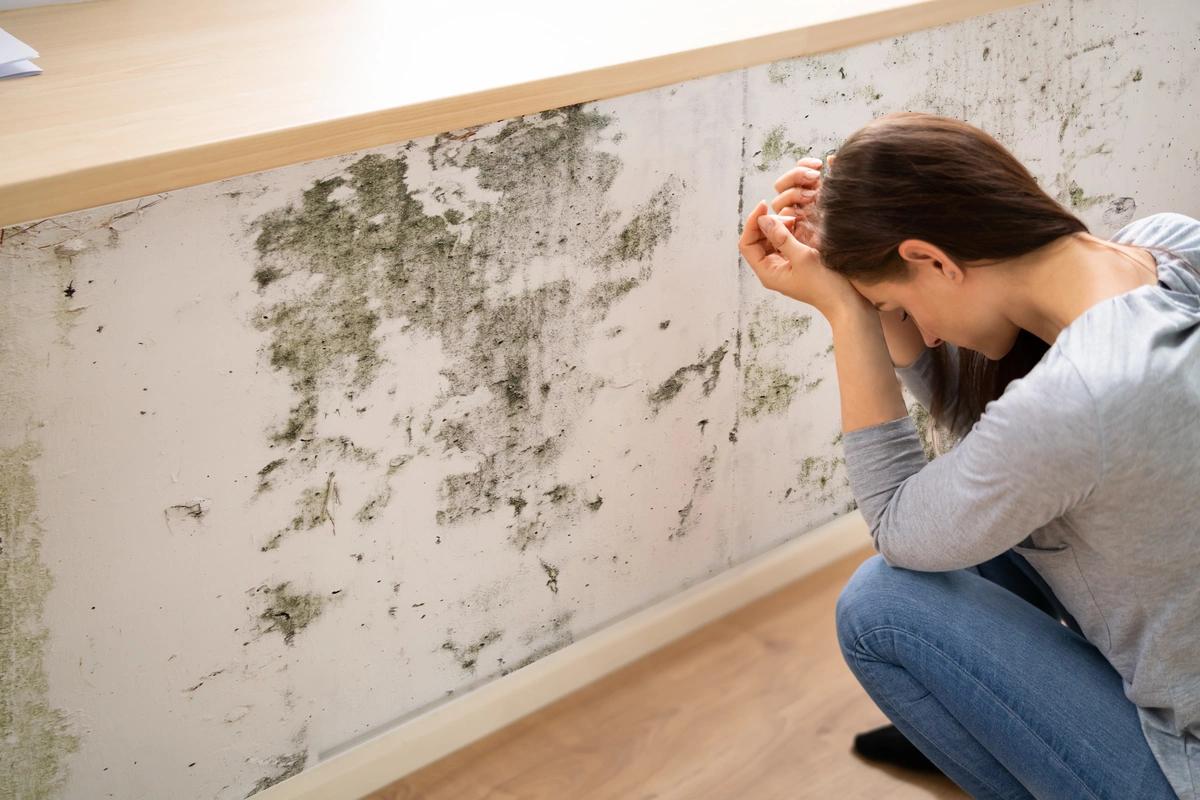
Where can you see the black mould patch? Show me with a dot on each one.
(282, 767)
(364, 247)
(552, 572)
(35, 737)
(560, 634)
(701, 483)
(468, 656)
(264, 479)
(709, 366)
(287, 611)
(188, 512)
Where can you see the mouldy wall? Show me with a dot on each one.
(292, 457)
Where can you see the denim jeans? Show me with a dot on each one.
(976, 669)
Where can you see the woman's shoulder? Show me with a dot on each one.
(1169, 229)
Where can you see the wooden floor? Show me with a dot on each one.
(757, 705)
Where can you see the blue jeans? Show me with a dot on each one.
(974, 667)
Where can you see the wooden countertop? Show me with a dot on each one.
(144, 96)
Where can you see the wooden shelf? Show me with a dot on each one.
(145, 96)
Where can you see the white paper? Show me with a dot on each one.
(14, 57)
(18, 68)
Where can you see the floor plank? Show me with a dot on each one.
(756, 705)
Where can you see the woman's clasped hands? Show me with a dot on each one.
(783, 250)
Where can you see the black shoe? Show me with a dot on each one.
(888, 745)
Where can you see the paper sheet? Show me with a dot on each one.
(14, 57)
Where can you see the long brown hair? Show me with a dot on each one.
(915, 175)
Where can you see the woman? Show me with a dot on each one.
(1069, 366)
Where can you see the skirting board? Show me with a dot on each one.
(412, 744)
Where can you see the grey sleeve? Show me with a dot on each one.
(1025, 462)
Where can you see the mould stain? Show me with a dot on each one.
(702, 481)
(775, 147)
(35, 738)
(779, 72)
(287, 611)
(552, 572)
(935, 439)
(768, 388)
(285, 765)
(561, 636)
(1081, 200)
(365, 247)
(817, 479)
(468, 656)
(708, 366)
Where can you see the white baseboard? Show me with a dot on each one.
(414, 743)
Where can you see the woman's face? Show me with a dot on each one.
(948, 304)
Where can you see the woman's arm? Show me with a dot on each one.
(1023, 464)
(904, 342)
(870, 391)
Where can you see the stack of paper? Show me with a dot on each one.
(14, 57)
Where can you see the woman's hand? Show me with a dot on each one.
(785, 264)
(799, 189)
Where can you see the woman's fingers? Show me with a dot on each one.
(797, 176)
(753, 245)
(796, 196)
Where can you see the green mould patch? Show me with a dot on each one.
(767, 388)
(819, 478)
(775, 147)
(709, 366)
(287, 611)
(1080, 200)
(767, 326)
(468, 656)
(364, 247)
(935, 439)
(650, 226)
(35, 738)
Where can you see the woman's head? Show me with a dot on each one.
(915, 209)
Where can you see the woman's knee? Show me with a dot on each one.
(880, 594)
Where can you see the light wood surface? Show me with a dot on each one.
(758, 704)
(144, 96)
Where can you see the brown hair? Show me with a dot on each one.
(915, 175)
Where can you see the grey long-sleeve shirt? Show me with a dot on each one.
(1089, 467)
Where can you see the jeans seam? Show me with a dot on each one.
(980, 683)
(960, 765)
